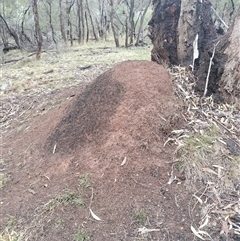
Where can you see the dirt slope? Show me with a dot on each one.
(111, 137)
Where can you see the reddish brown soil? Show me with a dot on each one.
(125, 114)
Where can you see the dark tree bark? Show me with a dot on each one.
(62, 26)
(37, 29)
(174, 26)
(183, 32)
(163, 31)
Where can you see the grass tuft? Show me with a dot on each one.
(71, 198)
(85, 181)
(139, 217)
(81, 236)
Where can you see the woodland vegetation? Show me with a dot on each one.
(174, 28)
(32, 24)
(29, 24)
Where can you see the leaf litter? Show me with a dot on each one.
(209, 147)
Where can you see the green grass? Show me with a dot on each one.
(139, 217)
(81, 236)
(9, 236)
(70, 198)
(85, 181)
(3, 180)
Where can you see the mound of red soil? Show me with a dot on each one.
(124, 110)
(115, 131)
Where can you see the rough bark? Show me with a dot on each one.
(229, 84)
(174, 26)
(188, 26)
(163, 31)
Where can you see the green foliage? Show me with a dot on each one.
(139, 217)
(85, 181)
(81, 236)
(9, 236)
(3, 180)
(71, 198)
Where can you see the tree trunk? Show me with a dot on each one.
(115, 35)
(87, 26)
(23, 34)
(174, 26)
(92, 22)
(126, 31)
(80, 21)
(11, 31)
(183, 32)
(229, 84)
(131, 20)
(69, 23)
(62, 27)
(37, 29)
(141, 23)
(50, 21)
(186, 32)
(163, 31)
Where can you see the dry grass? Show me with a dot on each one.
(62, 67)
(208, 153)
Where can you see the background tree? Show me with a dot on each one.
(37, 29)
(69, 20)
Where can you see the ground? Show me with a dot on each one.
(80, 149)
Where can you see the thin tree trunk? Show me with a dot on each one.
(11, 31)
(141, 23)
(92, 23)
(50, 22)
(79, 24)
(131, 20)
(87, 26)
(62, 27)
(69, 23)
(116, 39)
(126, 32)
(22, 26)
(82, 20)
(37, 29)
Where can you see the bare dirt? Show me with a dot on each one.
(112, 132)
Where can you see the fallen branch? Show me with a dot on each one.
(219, 18)
(209, 69)
(12, 60)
